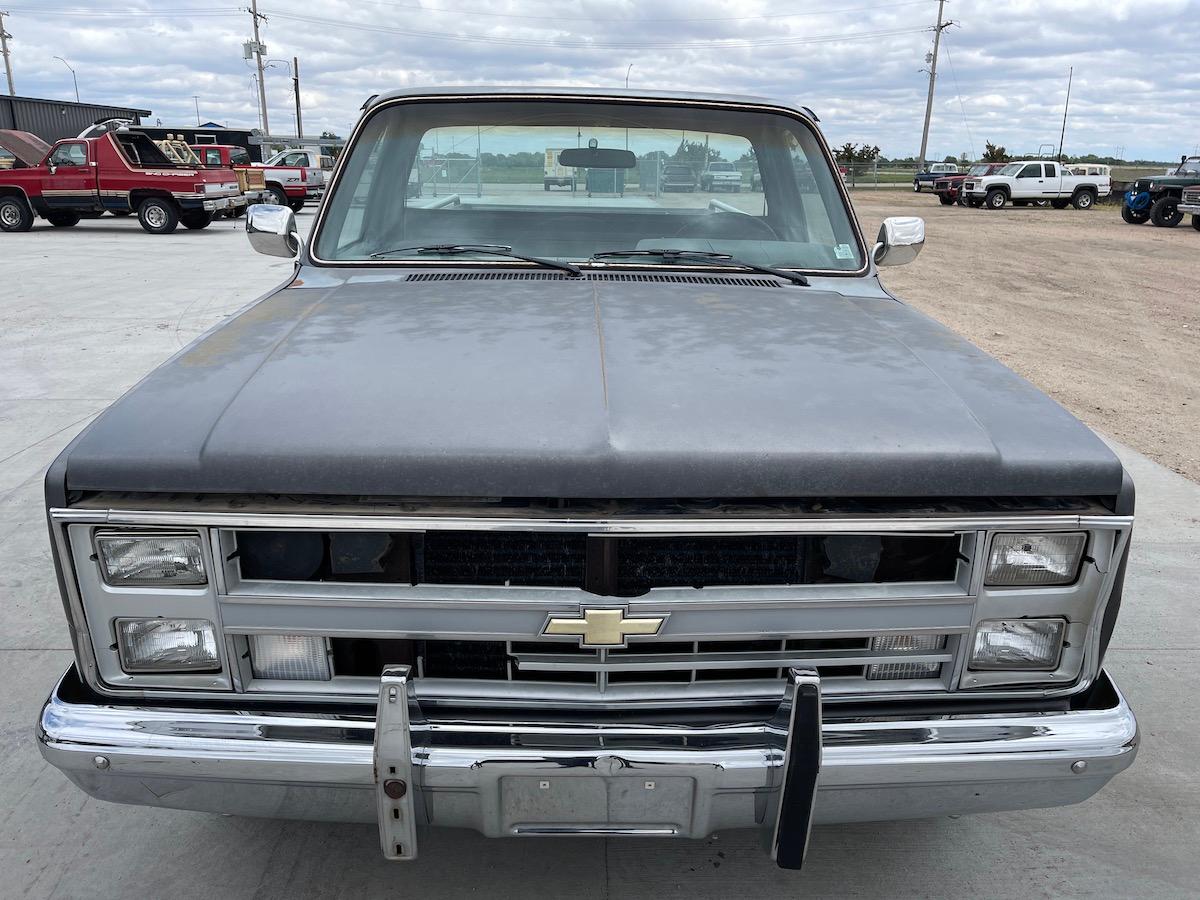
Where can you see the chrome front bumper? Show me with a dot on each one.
(1189, 208)
(503, 776)
(219, 203)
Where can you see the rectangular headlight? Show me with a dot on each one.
(167, 645)
(1035, 559)
(1029, 644)
(291, 657)
(897, 670)
(157, 559)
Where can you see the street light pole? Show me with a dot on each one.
(627, 71)
(258, 56)
(296, 90)
(73, 78)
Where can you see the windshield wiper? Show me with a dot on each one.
(492, 249)
(668, 256)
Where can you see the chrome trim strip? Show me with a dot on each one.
(782, 659)
(629, 526)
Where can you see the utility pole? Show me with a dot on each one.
(197, 100)
(4, 36)
(296, 91)
(258, 56)
(937, 39)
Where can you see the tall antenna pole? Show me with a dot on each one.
(196, 99)
(937, 39)
(4, 36)
(258, 55)
(296, 91)
(1062, 137)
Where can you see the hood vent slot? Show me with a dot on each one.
(668, 278)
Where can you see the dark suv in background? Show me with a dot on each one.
(677, 178)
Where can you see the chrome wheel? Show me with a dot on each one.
(156, 216)
(10, 215)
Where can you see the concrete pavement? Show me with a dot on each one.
(85, 312)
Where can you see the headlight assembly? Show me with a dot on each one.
(1015, 644)
(167, 645)
(1035, 559)
(151, 559)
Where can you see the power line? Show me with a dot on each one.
(962, 106)
(718, 44)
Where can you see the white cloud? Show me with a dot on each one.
(1135, 79)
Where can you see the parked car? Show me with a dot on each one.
(285, 186)
(120, 171)
(721, 176)
(1190, 205)
(949, 187)
(252, 180)
(525, 537)
(677, 178)
(1156, 199)
(933, 173)
(1036, 181)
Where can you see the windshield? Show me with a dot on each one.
(978, 170)
(1011, 169)
(496, 172)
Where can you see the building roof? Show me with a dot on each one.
(81, 105)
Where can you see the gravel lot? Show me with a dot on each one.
(86, 312)
(1103, 316)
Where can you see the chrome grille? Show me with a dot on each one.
(1191, 195)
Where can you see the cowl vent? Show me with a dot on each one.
(665, 277)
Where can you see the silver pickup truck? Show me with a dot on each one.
(541, 514)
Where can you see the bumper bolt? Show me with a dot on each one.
(1079, 766)
(395, 788)
(100, 762)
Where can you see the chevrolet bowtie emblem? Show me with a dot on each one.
(604, 627)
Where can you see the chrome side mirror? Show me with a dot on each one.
(272, 230)
(900, 240)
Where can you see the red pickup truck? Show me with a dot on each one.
(286, 186)
(121, 171)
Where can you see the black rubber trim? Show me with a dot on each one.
(800, 778)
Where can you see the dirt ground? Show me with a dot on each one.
(1103, 316)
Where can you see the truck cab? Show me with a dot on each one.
(120, 171)
(1038, 181)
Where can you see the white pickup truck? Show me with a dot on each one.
(316, 168)
(1036, 181)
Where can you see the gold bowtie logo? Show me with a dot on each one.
(604, 627)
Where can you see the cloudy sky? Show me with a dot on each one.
(858, 64)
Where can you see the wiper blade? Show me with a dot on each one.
(492, 249)
(669, 255)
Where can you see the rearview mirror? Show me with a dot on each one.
(900, 240)
(272, 230)
(596, 158)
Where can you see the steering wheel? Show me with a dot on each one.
(731, 226)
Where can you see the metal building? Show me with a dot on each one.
(52, 120)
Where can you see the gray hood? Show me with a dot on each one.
(590, 388)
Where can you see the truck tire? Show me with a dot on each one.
(916, 187)
(63, 219)
(995, 199)
(278, 197)
(1165, 212)
(1196, 222)
(1084, 199)
(1134, 216)
(296, 205)
(196, 221)
(946, 199)
(15, 214)
(1060, 204)
(158, 215)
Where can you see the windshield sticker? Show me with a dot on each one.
(843, 251)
